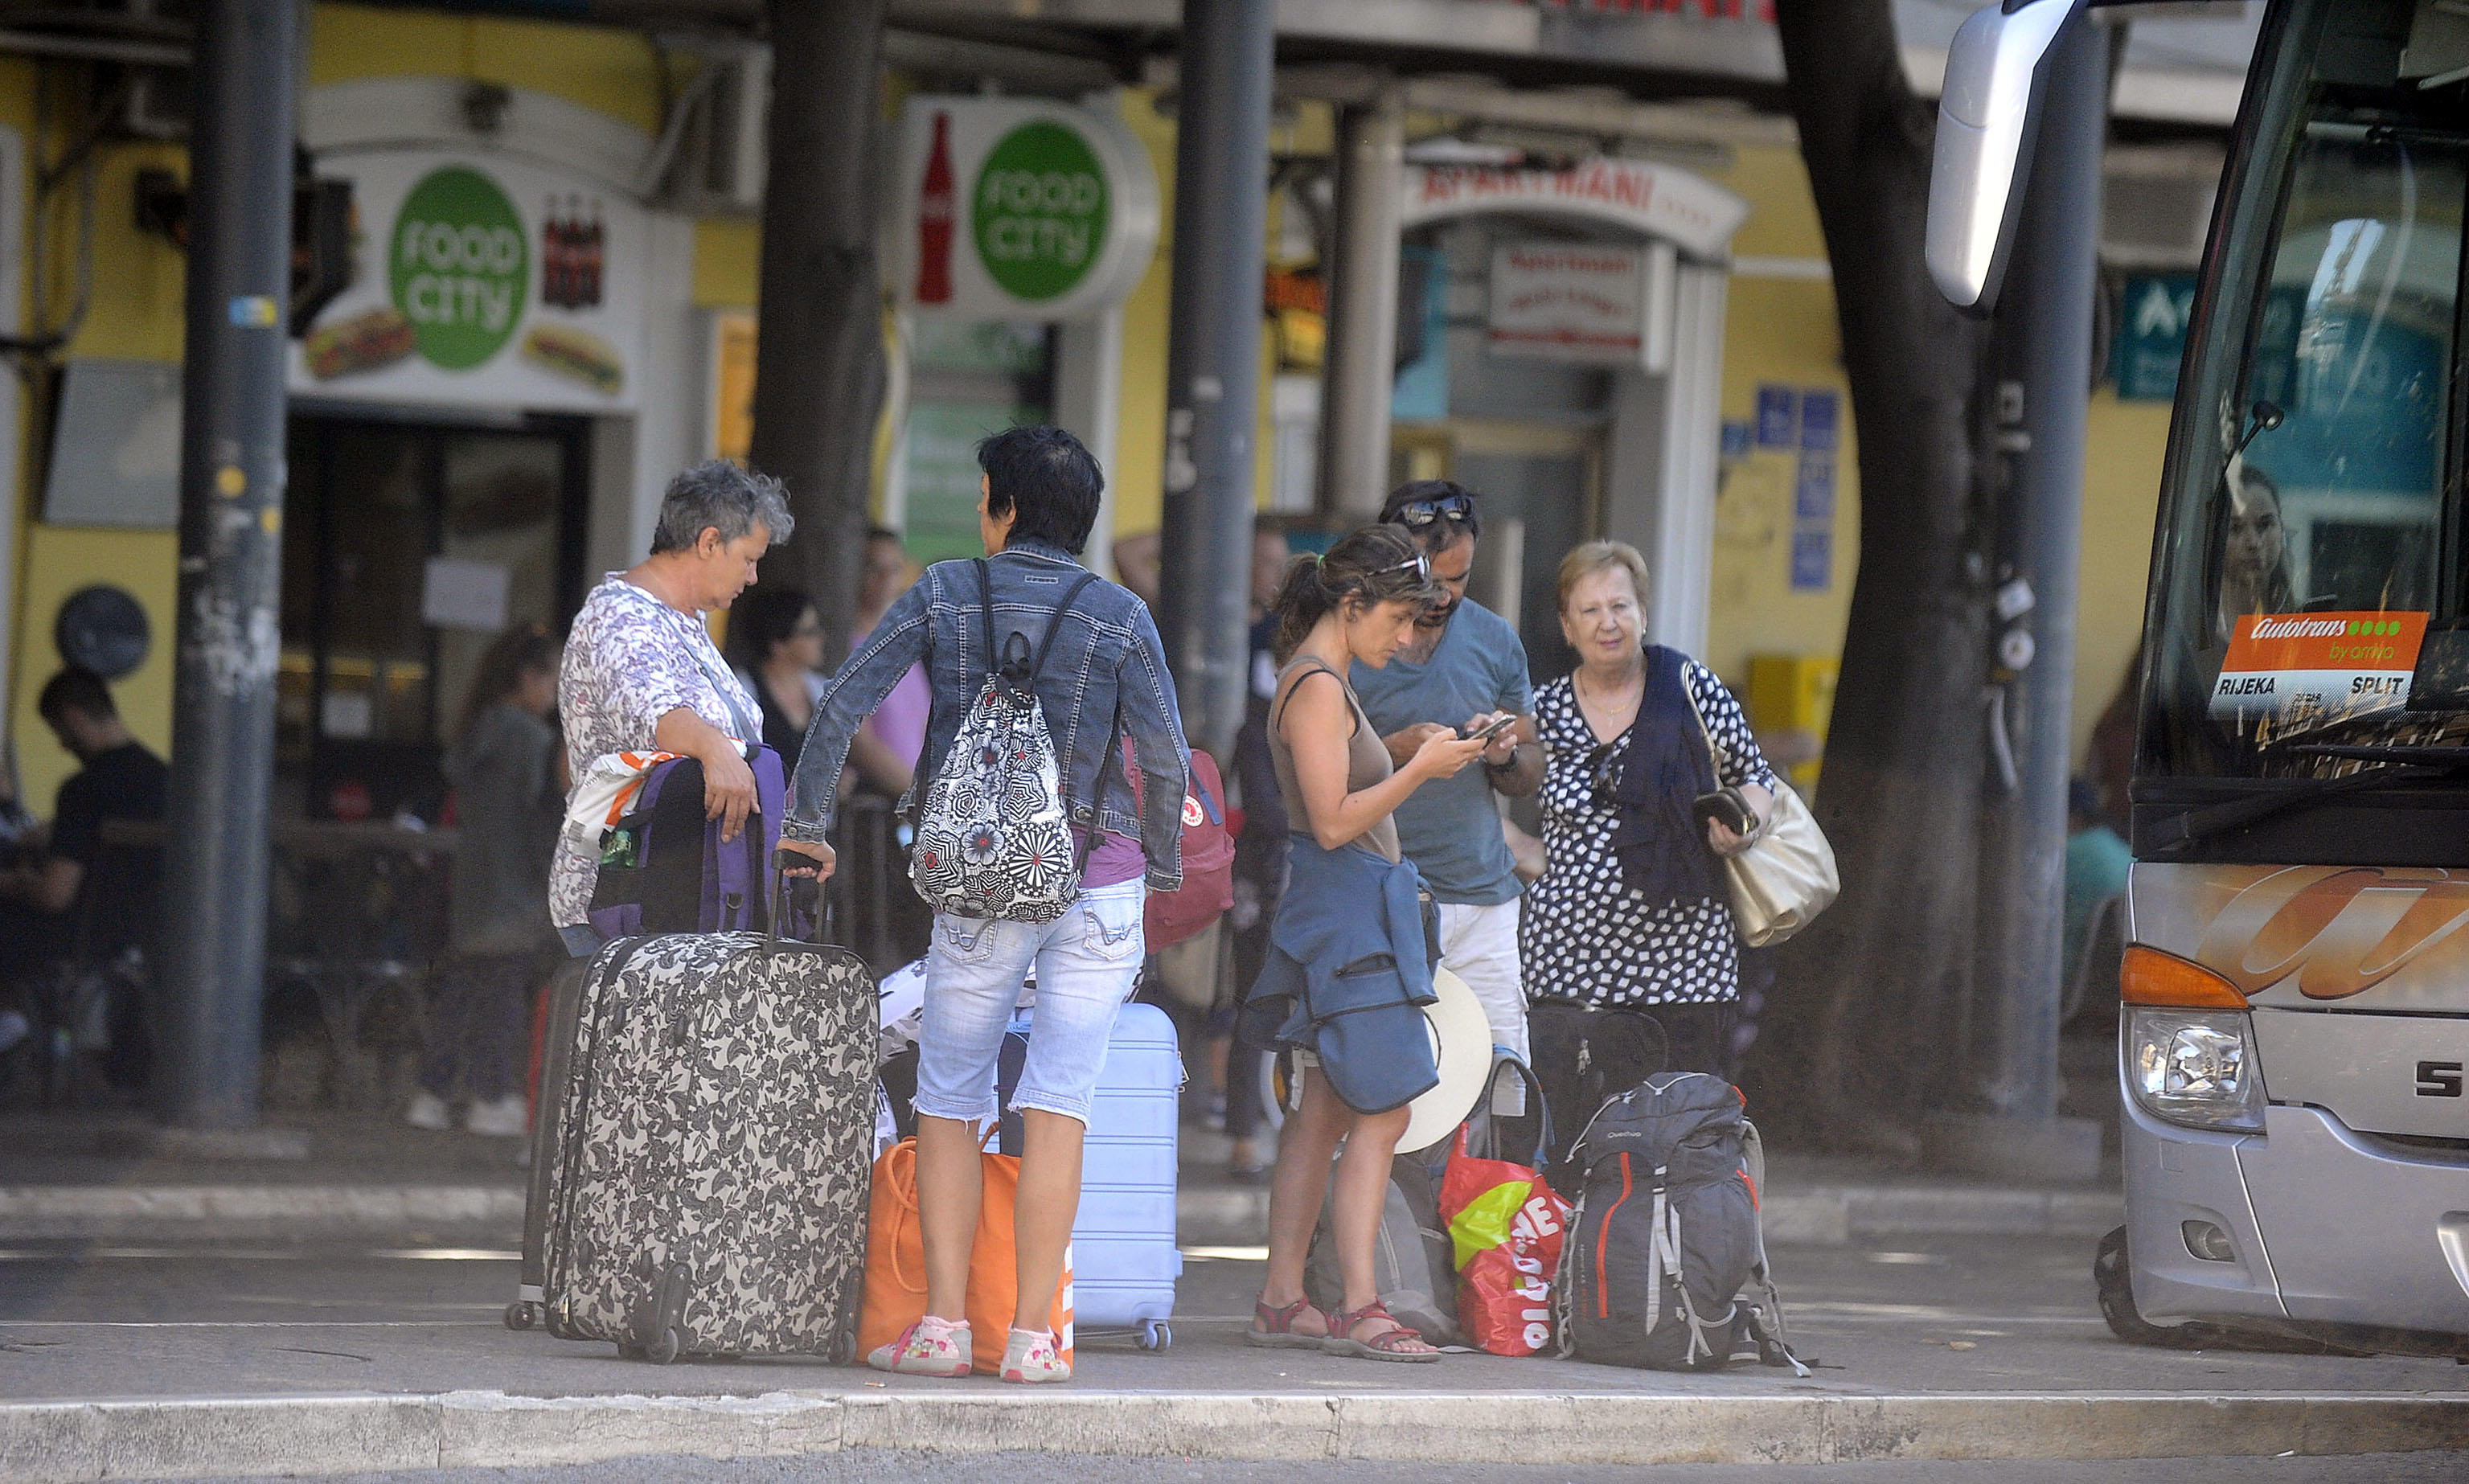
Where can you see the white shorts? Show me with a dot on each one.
(1479, 944)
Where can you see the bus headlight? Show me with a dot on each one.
(2195, 1067)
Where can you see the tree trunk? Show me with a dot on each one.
(1857, 1036)
(819, 349)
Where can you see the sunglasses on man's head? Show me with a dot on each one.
(1419, 513)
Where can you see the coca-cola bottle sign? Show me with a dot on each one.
(1039, 211)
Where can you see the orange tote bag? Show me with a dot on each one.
(895, 1261)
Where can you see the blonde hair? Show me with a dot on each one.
(1601, 556)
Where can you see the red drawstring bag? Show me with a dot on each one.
(1506, 1227)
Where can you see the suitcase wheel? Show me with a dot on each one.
(1156, 1335)
(664, 1350)
(523, 1315)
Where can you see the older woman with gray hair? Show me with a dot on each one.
(641, 673)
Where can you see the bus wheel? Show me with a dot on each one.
(2109, 1272)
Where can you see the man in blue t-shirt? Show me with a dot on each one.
(1464, 668)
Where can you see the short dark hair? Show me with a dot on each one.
(1048, 479)
(78, 689)
(766, 615)
(1440, 535)
(883, 533)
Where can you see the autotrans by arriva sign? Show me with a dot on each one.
(1016, 209)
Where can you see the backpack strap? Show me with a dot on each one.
(986, 611)
(1070, 595)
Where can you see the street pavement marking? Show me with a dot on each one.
(238, 1324)
(447, 1254)
(1227, 1254)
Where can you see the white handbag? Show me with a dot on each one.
(1786, 875)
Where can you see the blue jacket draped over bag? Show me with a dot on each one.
(1349, 955)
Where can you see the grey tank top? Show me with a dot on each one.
(1366, 760)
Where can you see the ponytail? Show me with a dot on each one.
(1374, 565)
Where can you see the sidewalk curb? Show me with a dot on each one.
(1205, 1216)
(58, 1443)
(156, 1212)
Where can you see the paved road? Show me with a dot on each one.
(868, 1467)
(1962, 1314)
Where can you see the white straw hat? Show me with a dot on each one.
(1461, 1045)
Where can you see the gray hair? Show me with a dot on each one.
(717, 494)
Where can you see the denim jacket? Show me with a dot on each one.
(1105, 679)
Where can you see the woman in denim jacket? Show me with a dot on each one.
(1104, 679)
(1352, 902)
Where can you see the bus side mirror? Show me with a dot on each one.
(1988, 113)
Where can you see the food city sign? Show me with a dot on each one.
(1015, 209)
(480, 281)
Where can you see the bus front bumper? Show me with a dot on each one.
(2324, 1227)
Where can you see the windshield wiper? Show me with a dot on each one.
(2401, 763)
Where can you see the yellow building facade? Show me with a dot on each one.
(1769, 592)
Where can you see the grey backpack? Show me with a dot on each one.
(1665, 1262)
(994, 839)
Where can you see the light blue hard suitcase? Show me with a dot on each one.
(1124, 1262)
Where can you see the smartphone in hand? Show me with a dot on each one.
(1489, 730)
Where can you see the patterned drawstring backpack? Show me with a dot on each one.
(993, 838)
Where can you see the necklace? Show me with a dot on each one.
(1608, 707)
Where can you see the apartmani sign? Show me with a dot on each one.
(480, 281)
(1015, 209)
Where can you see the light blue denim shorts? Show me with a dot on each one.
(1087, 962)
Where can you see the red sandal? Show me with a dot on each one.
(1387, 1345)
(1275, 1327)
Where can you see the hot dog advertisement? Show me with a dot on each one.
(2296, 672)
(480, 280)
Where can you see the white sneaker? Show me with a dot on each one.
(507, 1118)
(427, 1110)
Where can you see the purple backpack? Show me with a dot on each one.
(664, 868)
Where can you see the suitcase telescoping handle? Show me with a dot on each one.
(784, 889)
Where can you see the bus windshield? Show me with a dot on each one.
(2311, 581)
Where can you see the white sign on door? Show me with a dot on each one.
(1569, 301)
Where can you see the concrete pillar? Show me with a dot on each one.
(1361, 364)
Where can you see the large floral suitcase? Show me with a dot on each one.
(708, 1148)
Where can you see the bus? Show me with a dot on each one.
(2294, 1037)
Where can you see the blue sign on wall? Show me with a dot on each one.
(1812, 560)
(1422, 391)
(2152, 336)
(1813, 493)
(1777, 416)
(1818, 411)
(1735, 438)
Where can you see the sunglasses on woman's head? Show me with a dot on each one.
(1419, 563)
(1419, 513)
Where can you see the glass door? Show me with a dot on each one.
(413, 546)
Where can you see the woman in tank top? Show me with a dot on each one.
(1359, 601)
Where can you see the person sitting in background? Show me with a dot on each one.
(64, 903)
(2097, 866)
(499, 943)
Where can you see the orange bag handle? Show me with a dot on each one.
(900, 1177)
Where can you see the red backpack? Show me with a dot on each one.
(1208, 887)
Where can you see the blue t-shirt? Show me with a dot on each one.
(1450, 828)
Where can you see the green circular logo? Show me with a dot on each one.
(460, 266)
(1041, 207)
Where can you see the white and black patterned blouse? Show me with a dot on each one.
(1586, 935)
